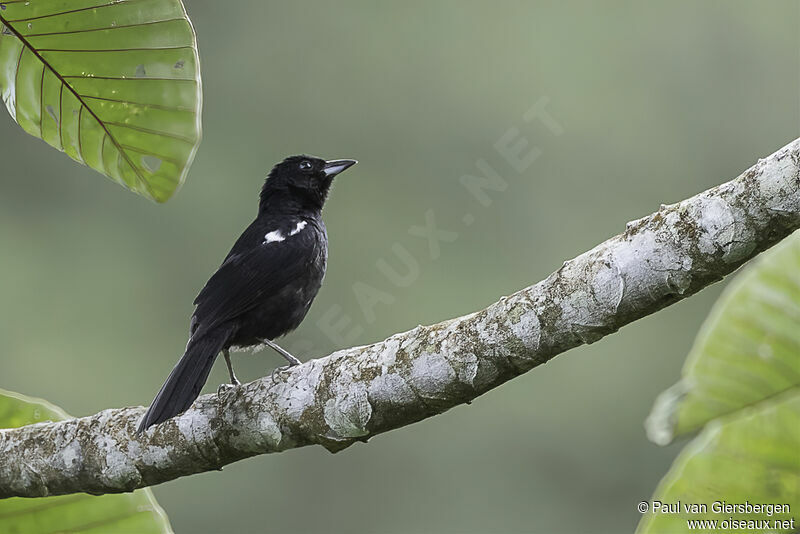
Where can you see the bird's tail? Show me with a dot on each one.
(184, 383)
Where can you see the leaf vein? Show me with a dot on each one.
(148, 23)
(41, 104)
(84, 77)
(150, 153)
(80, 142)
(154, 132)
(16, 80)
(154, 106)
(144, 49)
(116, 2)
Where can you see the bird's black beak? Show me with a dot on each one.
(335, 166)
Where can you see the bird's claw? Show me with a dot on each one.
(224, 388)
(281, 369)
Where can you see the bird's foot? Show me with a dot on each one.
(224, 388)
(282, 369)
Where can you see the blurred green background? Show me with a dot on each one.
(657, 101)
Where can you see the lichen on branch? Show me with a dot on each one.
(359, 392)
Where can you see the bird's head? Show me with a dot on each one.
(303, 181)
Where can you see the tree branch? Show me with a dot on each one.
(356, 393)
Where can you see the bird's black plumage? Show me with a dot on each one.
(265, 285)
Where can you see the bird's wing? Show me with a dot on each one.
(247, 278)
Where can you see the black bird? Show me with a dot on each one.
(264, 287)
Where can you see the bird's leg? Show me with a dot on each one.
(234, 381)
(289, 358)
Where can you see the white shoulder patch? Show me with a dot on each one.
(276, 236)
(273, 236)
(298, 228)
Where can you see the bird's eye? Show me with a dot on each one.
(305, 165)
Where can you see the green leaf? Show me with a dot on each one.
(747, 351)
(754, 459)
(741, 390)
(114, 84)
(134, 513)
